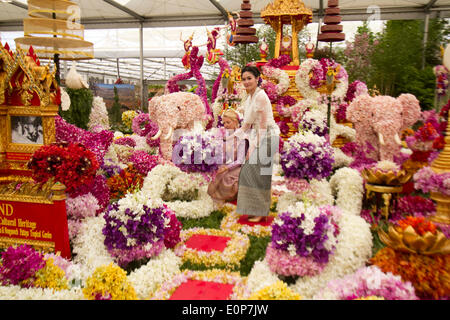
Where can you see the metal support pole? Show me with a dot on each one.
(425, 38)
(141, 57)
(118, 68)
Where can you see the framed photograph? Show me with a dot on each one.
(27, 130)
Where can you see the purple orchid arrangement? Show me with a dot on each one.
(135, 233)
(303, 239)
(307, 156)
(198, 152)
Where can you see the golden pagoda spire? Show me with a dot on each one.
(287, 12)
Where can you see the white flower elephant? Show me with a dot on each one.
(179, 110)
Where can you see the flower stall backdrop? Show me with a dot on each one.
(142, 225)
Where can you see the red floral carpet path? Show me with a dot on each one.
(265, 222)
(207, 243)
(202, 290)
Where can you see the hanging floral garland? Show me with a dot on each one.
(312, 73)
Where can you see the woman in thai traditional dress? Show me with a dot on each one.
(224, 186)
(255, 178)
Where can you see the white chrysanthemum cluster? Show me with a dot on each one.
(149, 277)
(89, 248)
(98, 118)
(18, 293)
(318, 194)
(260, 276)
(348, 186)
(155, 185)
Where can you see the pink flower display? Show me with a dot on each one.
(97, 142)
(282, 263)
(143, 162)
(366, 282)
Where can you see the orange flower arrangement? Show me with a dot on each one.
(429, 274)
(420, 225)
(129, 180)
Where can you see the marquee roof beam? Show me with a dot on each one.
(429, 5)
(219, 7)
(126, 10)
(19, 4)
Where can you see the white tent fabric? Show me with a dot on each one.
(105, 14)
(113, 27)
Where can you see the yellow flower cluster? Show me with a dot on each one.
(127, 118)
(370, 298)
(109, 282)
(277, 291)
(231, 256)
(51, 276)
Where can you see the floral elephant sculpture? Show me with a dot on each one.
(380, 120)
(179, 110)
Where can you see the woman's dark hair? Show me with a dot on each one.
(252, 69)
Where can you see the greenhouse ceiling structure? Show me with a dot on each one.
(149, 19)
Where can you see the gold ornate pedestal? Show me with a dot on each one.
(442, 165)
(388, 196)
(442, 208)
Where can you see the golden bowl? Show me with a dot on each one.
(389, 178)
(409, 241)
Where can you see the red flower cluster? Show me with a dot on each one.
(129, 180)
(420, 225)
(72, 164)
(427, 132)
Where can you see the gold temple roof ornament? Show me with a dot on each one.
(285, 8)
(287, 12)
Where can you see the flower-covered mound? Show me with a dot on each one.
(72, 164)
(235, 249)
(198, 152)
(366, 282)
(353, 249)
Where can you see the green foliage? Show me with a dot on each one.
(115, 115)
(212, 221)
(80, 107)
(395, 60)
(420, 83)
(256, 251)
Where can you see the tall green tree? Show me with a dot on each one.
(116, 110)
(80, 107)
(397, 60)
